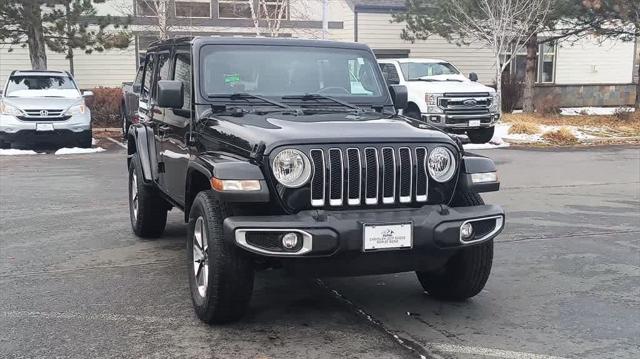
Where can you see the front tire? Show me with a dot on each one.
(147, 210)
(220, 274)
(481, 135)
(467, 272)
(85, 138)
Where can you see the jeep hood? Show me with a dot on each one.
(463, 86)
(276, 129)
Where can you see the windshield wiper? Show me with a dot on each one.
(317, 96)
(247, 96)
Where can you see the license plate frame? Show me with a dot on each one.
(44, 127)
(474, 123)
(373, 238)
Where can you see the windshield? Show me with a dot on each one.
(281, 71)
(37, 86)
(414, 70)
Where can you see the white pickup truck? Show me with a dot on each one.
(440, 95)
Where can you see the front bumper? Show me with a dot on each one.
(461, 121)
(333, 240)
(13, 129)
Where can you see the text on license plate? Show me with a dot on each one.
(387, 236)
(44, 127)
(474, 123)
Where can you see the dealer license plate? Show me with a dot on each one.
(44, 127)
(387, 236)
(474, 123)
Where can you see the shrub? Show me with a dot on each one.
(623, 113)
(105, 106)
(527, 128)
(561, 136)
(548, 106)
(511, 93)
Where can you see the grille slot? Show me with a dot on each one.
(352, 176)
(372, 170)
(406, 174)
(317, 182)
(422, 181)
(336, 181)
(388, 175)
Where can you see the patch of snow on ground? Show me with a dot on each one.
(576, 111)
(77, 150)
(16, 152)
(497, 141)
(93, 141)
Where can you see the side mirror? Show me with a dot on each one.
(136, 88)
(87, 94)
(473, 76)
(170, 94)
(400, 96)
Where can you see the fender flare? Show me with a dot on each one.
(477, 164)
(143, 138)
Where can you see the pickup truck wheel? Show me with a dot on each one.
(413, 112)
(481, 135)
(85, 138)
(220, 274)
(147, 210)
(466, 273)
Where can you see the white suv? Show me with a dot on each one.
(44, 106)
(441, 95)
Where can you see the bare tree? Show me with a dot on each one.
(267, 18)
(162, 11)
(505, 26)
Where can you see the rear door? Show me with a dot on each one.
(177, 123)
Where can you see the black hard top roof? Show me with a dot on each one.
(218, 40)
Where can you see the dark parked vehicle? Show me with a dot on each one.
(290, 154)
(129, 103)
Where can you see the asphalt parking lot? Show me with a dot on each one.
(75, 282)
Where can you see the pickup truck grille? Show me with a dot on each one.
(462, 107)
(356, 176)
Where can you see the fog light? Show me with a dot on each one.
(290, 240)
(466, 231)
(435, 118)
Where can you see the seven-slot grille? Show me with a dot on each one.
(368, 176)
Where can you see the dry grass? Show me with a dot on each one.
(613, 125)
(561, 136)
(527, 128)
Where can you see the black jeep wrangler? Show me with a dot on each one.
(290, 154)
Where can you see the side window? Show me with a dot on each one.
(145, 91)
(390, 74)
(163, 69)
(138, 81)
(182, 72)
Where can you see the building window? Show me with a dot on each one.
(547, 61)
(193, 8)
(274, 9)
(147, 8)
(234, 9)
(545, 67)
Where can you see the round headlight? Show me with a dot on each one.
(291, 168)
(441, 164)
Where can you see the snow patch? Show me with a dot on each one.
(16, 152)
(576, 111)
(497, 141)
(93, 141)
(77, 150)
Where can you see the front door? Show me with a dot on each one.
(176, 125)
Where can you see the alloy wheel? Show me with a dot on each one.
(134, 194)
(200, 256)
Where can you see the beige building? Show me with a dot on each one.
(587, 72)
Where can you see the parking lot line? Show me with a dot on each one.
(490, 352)
(116, 142)
(111, 317)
